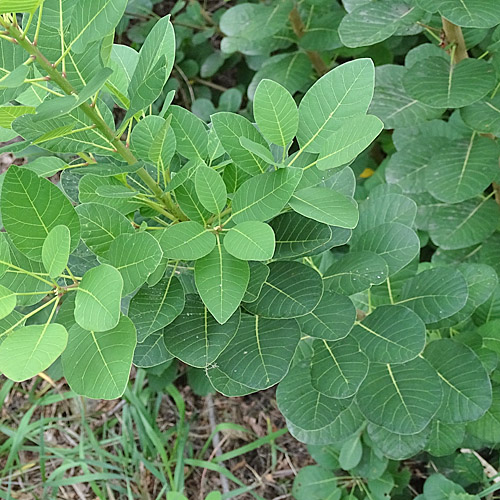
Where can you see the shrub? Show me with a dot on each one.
(250, 250)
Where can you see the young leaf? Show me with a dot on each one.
(250, 240)
(97, 303)
(221, 280)
(29, 350)
(186, 241)
(210, 189)
(7, 301)
(31, 207)
(292, 289)
(353, 137)
(257, 149)
(342, 93)
(97, 364)
(327, 206)
(265, 195)
(351, 453)
(55, 250)
(275, 112)
(195, 337)
(153, 308)
(135, 256)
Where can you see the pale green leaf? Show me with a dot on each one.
(210, 189)
(97, 303)
(344, 92)
(186, 240)
(29, 350)
(353, 137)
(250, 240)
(190, 132)
(265, 195)
(55, 250)
(97, 364)
(351, 452)
(7, 301)
(9, 6)
(31, 207)
(275, 112)
(221, 280)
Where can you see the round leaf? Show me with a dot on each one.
(250, 240)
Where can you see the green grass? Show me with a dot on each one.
(55, 444)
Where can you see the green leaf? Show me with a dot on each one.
(258, 275)
(153, 308)
(135, 256)
(435, 294)
(354, 136)
(297, 235)
(344, 92)
(355, 272)
(292, 289)
(265, 195)
(482, 116)
(261, 351)
(226, 385)
(190, 132)
(30, 350)
(463, 224)
(391, 334)
(315, 483)
(97, 303)
(463, 169)
(250, 240)
(400, 398)
(151, 352)
(157, 54)
(190, 203)
(7, 301)
(467, 13)
(153, 139)
(327, 206)
(210, 189)
(351, 452)
(258, 150)
(31, 208)
(332, 319)
(9, 113)
(444, 438)
(397, 446)
(9, 6)
(89, 23)
(97, 364)
(5, 258)
(437, 486)
(397, 244)
(373, 22)
(221, 280)
(464, 381)
(440, 84)
(229, 128)
(392, 104)
(195, 337)
(275, 112)
(185, 241)
(303, 405)
(101, 225)
(338, 368)
(55, 250)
